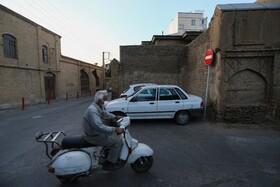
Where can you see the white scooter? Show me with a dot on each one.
(72, 157)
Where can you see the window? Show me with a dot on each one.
(181, 27)
(193, 22)
(168, 94)
(10, 46)
(136, 88)
(182, 95)
(146, 95)
(45, 53)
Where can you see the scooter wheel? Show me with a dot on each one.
(67, 178)
(142, 164)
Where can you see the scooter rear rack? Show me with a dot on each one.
(50, 139)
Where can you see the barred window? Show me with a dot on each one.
(9, 46)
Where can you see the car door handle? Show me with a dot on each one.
(151, 103)
(177, 101)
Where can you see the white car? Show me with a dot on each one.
(134, 88)
(158, 102)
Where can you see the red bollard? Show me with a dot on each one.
(67, 96)
(22, 103)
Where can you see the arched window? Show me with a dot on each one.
(9, 46)
(45, 53)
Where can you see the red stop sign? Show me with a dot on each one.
(208, 57)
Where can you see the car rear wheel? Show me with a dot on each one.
(182, 117)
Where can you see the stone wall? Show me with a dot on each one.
(17, 83)
(245, 114)
(245, 75)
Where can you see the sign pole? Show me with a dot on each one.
(206, 94)
(208, 60)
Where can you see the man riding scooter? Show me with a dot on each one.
(98, 133)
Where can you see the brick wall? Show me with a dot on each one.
(151, 64)
(196, 71)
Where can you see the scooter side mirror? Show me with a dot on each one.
(125, 122)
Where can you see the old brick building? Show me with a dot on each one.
(245, 75)
(32, 67)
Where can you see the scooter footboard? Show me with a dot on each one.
(139, 151)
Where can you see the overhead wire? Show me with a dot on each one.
(56, 21)
(86, 35)
(62, 17)
(50, 12)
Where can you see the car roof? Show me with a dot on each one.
(139, 84)
(160, 86)
(163, 86)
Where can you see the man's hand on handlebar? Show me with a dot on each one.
(119, 130)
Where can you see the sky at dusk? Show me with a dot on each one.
(90, 27)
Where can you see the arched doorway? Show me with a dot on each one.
(84, 82)
(49, 80)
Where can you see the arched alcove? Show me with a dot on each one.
(246, 87)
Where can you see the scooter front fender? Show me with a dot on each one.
(139, 151)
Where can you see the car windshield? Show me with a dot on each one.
(126, 89)
(134, 93)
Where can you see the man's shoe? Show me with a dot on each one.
(120, 163)
(109, 166)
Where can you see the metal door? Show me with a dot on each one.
(49, 80)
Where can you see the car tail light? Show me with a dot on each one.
(201, 104)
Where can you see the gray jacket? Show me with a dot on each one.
(94, 130)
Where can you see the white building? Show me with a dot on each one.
(187, 21)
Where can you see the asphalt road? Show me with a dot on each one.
(199, 154)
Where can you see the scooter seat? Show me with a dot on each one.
(75, 142)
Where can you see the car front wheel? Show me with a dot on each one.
(182, 117)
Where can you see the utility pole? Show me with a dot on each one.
(103, 64)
